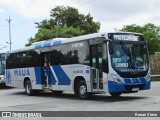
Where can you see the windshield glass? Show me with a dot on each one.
(2, 66)
(129, 56)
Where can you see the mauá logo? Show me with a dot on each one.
(22, 72)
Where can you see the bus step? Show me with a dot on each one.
(47, 89)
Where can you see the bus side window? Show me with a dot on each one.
(59, 55)
(32, 59)
(78, 52)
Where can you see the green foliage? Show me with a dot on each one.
(65, 22)
(151, 33)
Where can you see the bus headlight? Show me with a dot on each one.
(148, 77)
(116, 78)
(1, 77)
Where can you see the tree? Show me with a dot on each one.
(65, 22)
(70, 16)
(151, 33)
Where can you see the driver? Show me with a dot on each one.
(120, 57)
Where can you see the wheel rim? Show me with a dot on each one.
(82, 89)
(28, 88)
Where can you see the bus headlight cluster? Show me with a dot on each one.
(116, 78)
(1, 78)
(148, 77)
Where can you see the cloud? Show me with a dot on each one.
(120, 9)
(2, 10)
(28, 8)
(117, 13)
(32, 8)
(109, 13)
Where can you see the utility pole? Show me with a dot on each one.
(9, 21)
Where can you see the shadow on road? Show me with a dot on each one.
(3, 87)
(102, 98)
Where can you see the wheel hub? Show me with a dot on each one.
(82, 90)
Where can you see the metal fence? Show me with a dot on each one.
(155, 63)
(155, 66)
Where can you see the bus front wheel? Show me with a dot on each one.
(82, 90)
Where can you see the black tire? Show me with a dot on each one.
(82, 90)
(28, 88)
(57, 92)
(2, 85)
(115, 94)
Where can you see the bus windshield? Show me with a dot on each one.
(129, 56)
(2, 66)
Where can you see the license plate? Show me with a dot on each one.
(135, 89)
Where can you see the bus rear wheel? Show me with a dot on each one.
(28, 88)
(82, 90)
(115, 94)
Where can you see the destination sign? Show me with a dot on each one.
(125, 36)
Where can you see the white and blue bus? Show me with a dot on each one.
(114, 63)
(2, 68)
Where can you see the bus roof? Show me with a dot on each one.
(59, 41)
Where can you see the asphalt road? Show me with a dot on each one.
(13, 99)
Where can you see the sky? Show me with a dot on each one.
(112, 14)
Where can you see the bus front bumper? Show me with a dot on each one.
(2, 81)
(114, 87)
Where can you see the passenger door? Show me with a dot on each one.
(97, 68)
(46, 72)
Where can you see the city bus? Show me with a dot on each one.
(99, 63)
(2, 68)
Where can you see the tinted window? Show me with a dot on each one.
(2, 66)
(78, 53)
(33, 59)
(59, 55)
(23, 59)
(11, 61)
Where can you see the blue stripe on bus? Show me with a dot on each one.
(115, 87)
(51, 78)
(120, 87)
(48, 44)
(61, 75)
(57, 42)
(142, 80)
(39, 78)
(134, 80)
(38, 46)
(127, 80)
